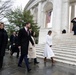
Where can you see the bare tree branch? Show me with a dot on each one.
(4, 7)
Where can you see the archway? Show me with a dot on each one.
(48, 12)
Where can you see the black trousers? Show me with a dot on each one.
(75, 32)
(1, 61)
(25, 59)
(15, 49)
(12, 52)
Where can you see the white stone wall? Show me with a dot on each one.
(43, 34)
(60, 16)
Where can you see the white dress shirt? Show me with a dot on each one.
(26, 28)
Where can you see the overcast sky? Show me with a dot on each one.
(20, 3)
(17, 3)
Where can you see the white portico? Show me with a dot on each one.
(61, 13)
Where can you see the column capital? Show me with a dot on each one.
(66, 1)
(40, 1)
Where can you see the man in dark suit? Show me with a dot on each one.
(24, 38)
(14, 44)
(74, 25)
(3, 43)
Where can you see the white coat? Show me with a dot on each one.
(48, 50)
(31, 49)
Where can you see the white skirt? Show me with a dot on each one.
(32, 53)
(48, 53)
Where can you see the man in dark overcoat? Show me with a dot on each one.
(14, 44)
(24, 38)
(74, 25)
(3, 43)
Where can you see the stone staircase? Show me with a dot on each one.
(64, 48)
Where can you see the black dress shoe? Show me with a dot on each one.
(0, 68)
(19, 65)
(29, 62)
(17, 57)
(36, 63)
(29, 70)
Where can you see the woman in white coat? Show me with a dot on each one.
(48, 53)
(32, 49)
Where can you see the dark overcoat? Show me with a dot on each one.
(3, 41)
(74, 25)
(23, 41)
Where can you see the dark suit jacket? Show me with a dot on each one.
(3, 41)
(12, 39)
(74, 25)
(23, 41)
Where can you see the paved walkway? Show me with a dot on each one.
(10, 68)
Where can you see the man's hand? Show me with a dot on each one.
(13, 43)
(19, 47)
(50, 45)
(34, 45)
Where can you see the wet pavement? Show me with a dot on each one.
(10, 68)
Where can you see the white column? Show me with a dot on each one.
(39, 14)
(57, 10)
(72, 16)
(72, 11)
(65, 15)
(31, 10)
(43, 17)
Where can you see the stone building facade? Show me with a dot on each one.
(62, 11)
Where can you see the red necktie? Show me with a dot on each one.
(28, 31)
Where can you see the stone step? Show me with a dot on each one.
(66, 59)
(60, 58)
(66, 62)
(64, 47)
(62, 44)
(61, 55)
(63, 52)
(62, 61)
(58, 49)
(60, 52)
(68, 54)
